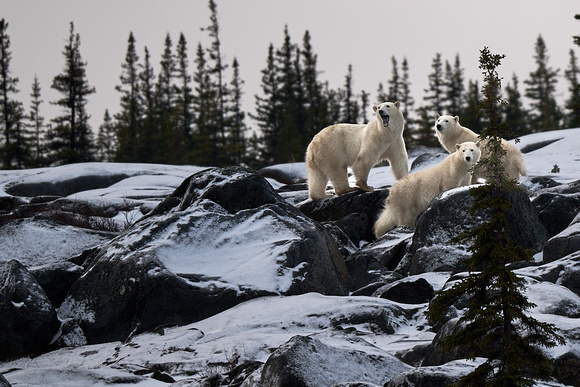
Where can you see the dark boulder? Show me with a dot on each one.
(558, 206)
(306, 361)
(223, 237)
(564, 243)
(448, 215)
(28, 321)
(292, 173)
(56, 279)
(357, 202)
(416, 291)
(439, 376)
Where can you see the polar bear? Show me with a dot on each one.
(450, 132)
(337, 147)
(410, 196)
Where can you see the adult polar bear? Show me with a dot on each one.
(450, 132)
(337, 147)
(410, 196)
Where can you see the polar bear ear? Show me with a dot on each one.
(397, 104)
(478, 144)
(375, 107)
(437, 116)
(457, 146)
(456, 118)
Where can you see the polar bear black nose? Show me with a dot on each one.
(438, 126)
(468, 158)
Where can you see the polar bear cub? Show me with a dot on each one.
(450, 132)
(339, 146)
(410, 196)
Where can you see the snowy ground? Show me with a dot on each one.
(251, 331)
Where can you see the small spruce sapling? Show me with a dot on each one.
(495, 323)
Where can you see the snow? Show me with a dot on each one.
(252, 330)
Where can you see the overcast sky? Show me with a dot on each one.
(364, 33)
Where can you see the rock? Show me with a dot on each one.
(417, 291)
(439, 376)
(567, 369)
(427, 160)
(39, 241)
(354, 226)
(564, 272)
(390, 248)
(223, 237)
(364, 269)
(448, 215)
(306, 361)
(291, 173)
(56, 279)
(566, 242)
(28, 321)
(357, 202)
(558, 206)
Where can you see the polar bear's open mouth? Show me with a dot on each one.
(385, 118)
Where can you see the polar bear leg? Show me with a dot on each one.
(339, 180)
(361, 169)
(399, 165)
(317, 181)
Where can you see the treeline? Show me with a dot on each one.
(190, 112)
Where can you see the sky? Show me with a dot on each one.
(363, 33)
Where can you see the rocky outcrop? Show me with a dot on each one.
(223, 237)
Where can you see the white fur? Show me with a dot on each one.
(410, 196)
(450, 132)
(337, 147)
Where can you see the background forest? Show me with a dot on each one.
(188, 109)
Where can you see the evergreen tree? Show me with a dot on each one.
(182, 132)
(106, 149)
(350, 108)
(364, 106)
(495, 324)
(148, 129)
(541, 88)
(315, 104)
(204, 147)
(236, 141)
(434, 105)
(10, 109)
(37, 145)
(394, 93)
(129, 117)
(166, 95)
(454, 87)
(469, 116)
(70, 139)
(407, 103)
(514, 113)
(572, 75)
(216, 70)
(576, 38)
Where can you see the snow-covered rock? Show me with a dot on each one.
(223, 237)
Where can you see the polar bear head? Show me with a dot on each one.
(446, 124)
(388, 113)
(469, 151)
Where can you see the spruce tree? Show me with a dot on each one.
(315, 103)
(184, 99)
(70, 139)
(128, 120)
(350, 107)
(37, 145)
(165, 96)
(146, 146)
(572, 75)
(236, 136)
(10, 109)
(394, 93)
(454, 87)
(541, 89)
(495, 324)
(469, 116)
(407, 102)
(433, 98)
(106, 147)
(514, 113)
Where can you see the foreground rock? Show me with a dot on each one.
(304, 361)
(223, 237)
(28, 321)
